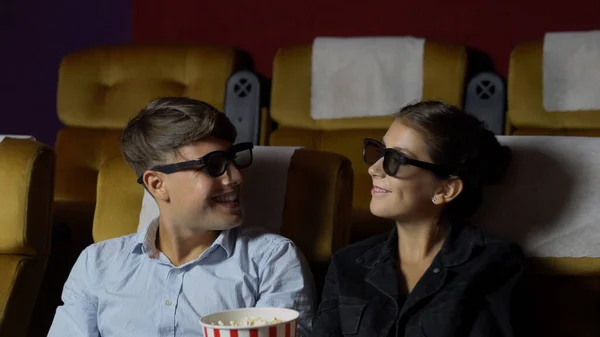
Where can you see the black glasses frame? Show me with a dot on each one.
(387, 154)
(229, 155)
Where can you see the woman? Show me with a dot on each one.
(434, 274)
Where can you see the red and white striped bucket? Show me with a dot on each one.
(287, 328)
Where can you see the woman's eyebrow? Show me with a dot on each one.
(406, 151)
(401, 150)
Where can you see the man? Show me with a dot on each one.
(193, 260)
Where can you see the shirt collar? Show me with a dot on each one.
(145, 242)
(226, 240)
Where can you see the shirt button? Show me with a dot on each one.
(168, 303)
(436, 270)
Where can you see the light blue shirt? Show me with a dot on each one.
(125, 287)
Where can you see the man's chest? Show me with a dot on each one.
(162, 301)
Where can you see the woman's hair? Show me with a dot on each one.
(462, 144)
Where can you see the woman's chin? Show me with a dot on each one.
(383, 212)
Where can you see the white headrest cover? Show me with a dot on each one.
(2, 137)
(549, 201)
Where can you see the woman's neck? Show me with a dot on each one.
(420, 241)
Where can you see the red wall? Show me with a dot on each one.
(261, 26)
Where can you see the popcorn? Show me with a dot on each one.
(249, 321)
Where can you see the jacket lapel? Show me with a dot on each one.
(430, 284)
(384, 278)
(380, 260)
(460, 243)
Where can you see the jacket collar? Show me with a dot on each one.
(461, 240)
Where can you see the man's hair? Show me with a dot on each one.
(165, 125)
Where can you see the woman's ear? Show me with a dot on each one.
(448, 190)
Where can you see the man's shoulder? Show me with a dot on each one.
(260, 238)
(261, 244)
(114, 245)
(102, 254)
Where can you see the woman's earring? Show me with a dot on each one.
(434, 199)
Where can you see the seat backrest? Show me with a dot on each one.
(26, 177)
(526, 114)
(306, 197)
(548, 203)
(444, 71)
(99, 90)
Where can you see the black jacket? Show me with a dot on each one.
(471, 289)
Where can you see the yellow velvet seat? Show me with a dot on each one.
(99, 90)
(444, 71)
(27, 178)
(526, 114)
(316, 203)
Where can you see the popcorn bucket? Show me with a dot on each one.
(227, 323)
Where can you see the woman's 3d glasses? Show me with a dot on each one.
(393, 161)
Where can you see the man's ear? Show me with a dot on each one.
(448, 190)
(156, 185)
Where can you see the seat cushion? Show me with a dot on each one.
(11, 266)
(20, 279)
(564, 305)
